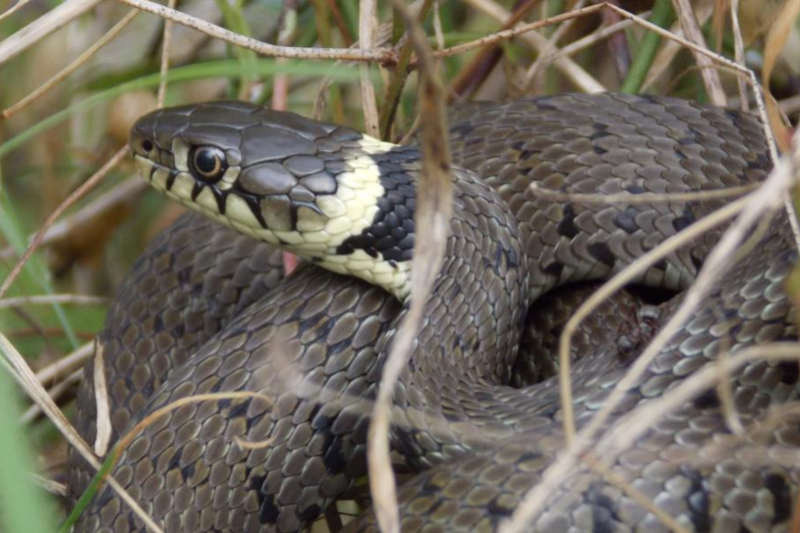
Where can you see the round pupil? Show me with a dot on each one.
(206, 161)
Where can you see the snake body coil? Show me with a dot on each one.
(199, 314)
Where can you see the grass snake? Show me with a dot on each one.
(205, 310)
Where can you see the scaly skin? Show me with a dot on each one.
(315, 345)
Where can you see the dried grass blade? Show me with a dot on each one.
(434, 194)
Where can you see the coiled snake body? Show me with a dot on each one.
(198, 314)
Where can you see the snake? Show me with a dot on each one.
(205, 309)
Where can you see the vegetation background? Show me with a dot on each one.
(59, 128)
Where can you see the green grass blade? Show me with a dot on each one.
(35, 272)
(662, 15)
(23, 505)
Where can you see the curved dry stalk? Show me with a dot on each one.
(22, 373)
(212, 30)
(548, 50)
(759, 205)
(693, 32)
(13, 9)
(764, 200)
(739, 52)
(49, 299)
(590, 40)
(43, 26)
(126, 439)
(164, 69)
(644, 198)
(776, 39)
(55, 393)
(670, 49)
(627, 275)
(383, 36)
(633, 493)
(433, 213)
(636, 423)
(53, 487)
(109, 36)
(367, 22)
(574, 72)
(104, 428)
(65, 364)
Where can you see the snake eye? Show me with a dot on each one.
(208, 163)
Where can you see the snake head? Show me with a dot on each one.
(316, 189)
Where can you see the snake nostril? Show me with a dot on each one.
(147, 145)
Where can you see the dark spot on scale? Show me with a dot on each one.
(528, 456)
(684, 221)
(697, 262)
(393, 264)
(310, 513)
(604, 517)
(600, 131)
(105, 497)
(790, 372)
(566, 226)
(699, 501)
(762, 162)
(268, 514)
(238, 410)
(733, 115)
(252, 422)
(175, 460)
(321, 421)
(782, 497)
(626, 220)
(545, 104)
(635, 189)
(708, 399)
(463, 129)
(430, 489)
(256, 484)
(660, 265)
(601, 252)
(555, 269)
(334, 459)
(188, 471)
(497, 510)
(435, 506)
(483, 396)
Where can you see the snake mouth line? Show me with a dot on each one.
(209, 199)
